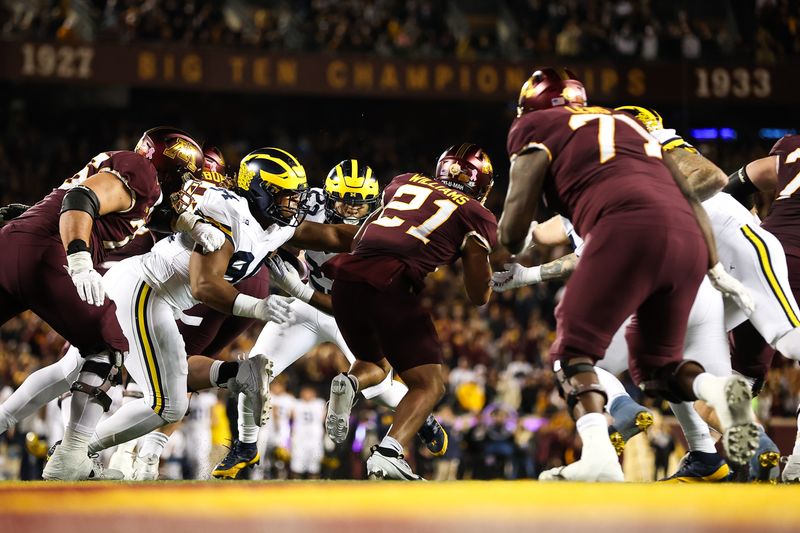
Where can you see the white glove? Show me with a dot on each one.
(285, 276)
(515, 276)
(87, 280)
(203, 233)
(271, 309)
(731, 287)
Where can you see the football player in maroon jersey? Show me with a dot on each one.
(52, 250)
(779, 172)
(424, 223)
(648, 244)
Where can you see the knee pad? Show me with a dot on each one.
(570, 389)
(669, 381)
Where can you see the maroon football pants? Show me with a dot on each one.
(33, 276)
(631, 268)
(390, 323)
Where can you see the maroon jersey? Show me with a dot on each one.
(783, 219)
(111, 231)
(602, 163)
(424, 224)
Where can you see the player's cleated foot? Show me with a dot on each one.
(696, 467)
(122, 459)
(253, 379)
(586, 470)
(791, 472)
(730, 398)
(434, 436)
(764, 464)
(240, 456)
(624, 429)
(76, 465)
(145, 468)
(337, 421)
(385, 463)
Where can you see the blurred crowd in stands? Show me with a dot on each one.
(765, 30)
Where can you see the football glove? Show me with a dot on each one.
(731, 287)
(271, 309)
(12, 211)
(203, 233)
(87, 281)
(286, 277)
(515, 276)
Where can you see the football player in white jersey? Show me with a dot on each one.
(350, 195)
(151, 289)
(308, 434)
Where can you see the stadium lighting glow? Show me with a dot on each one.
(704, 134)
(775, 133)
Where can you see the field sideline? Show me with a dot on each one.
(464, 506)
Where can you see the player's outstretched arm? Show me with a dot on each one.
(758, 175)
(704, 177)
(286, 277)
(516, 275)
(526, 179)
(477, 272)
(324, 237)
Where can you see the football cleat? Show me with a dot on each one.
(731, 400)
(434, 436)
(586, 470)
(253, 379)
(123, 458)
(75, 465)
(337, 421)
(697, 467)
(145, 468)
(791, 472)
(764, 464)
(630, 419)
(240, 456)
(385, 463)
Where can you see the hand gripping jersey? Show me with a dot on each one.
(315, 259)
(783, 219)
(166, 267)
(114, 230)
(602, 163)
(424, 225)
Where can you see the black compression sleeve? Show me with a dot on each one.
(80, 198)
(740, 187)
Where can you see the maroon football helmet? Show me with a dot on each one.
(550, 87)
(214, 168)
(466, 168)
(176, 156)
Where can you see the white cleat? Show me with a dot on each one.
(731, 400)
(252, 379)
(337, 421)
(145, 468)
(382, 465)
(791, 472)
(586, 470)
(76, 465)
(122, 459)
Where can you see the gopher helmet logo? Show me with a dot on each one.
(184, 151)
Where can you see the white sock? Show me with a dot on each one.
(131, 421)
(213, 374)
(248, 430)
(705, 386)
(593, 429)
(85, 413)
(392, 444)
(614, 388)
(694, 428)
(796, 449)
(153, 444)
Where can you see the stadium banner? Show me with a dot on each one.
(250, 70)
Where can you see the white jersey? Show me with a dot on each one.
(166, 267)
(315, 259)
(574, 238)
(278, 425)
(308, 419)
(724, 211)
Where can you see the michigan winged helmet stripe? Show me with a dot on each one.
(282, 169)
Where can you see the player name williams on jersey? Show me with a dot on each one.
(166, 267)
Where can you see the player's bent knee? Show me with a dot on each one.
(102, 365)
(576, 378)
(673, 381)
(175, 408)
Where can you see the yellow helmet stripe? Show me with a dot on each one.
(354, 168)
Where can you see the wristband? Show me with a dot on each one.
(246, 306)
(304, 293)
(533, 274)
(76, 246)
